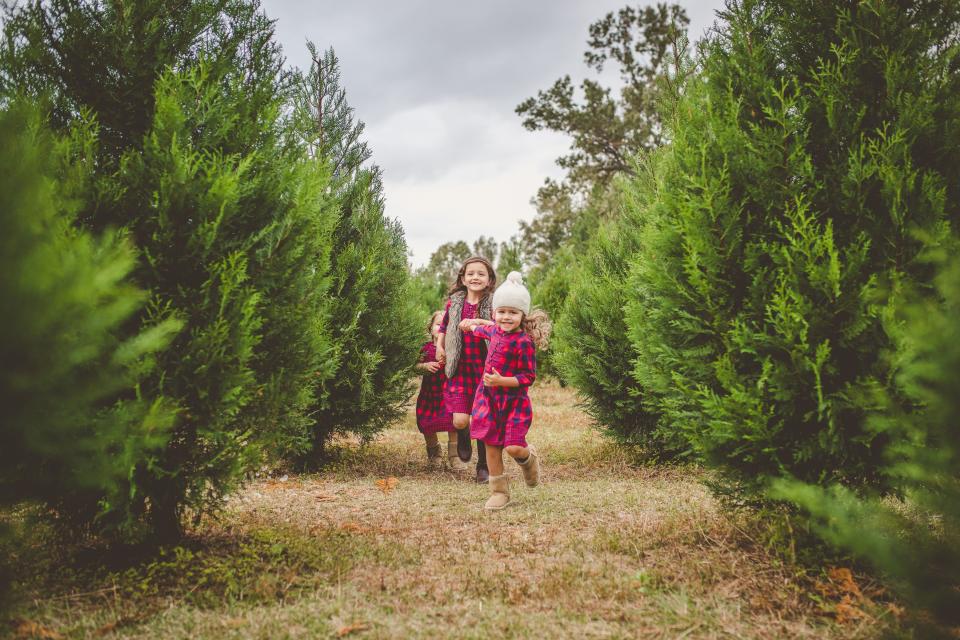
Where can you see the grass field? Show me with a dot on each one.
(379, 547)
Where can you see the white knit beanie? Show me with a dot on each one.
(512, 293)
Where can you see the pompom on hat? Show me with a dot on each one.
(512, 293)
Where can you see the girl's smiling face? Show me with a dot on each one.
(476, 277)
(508, 318)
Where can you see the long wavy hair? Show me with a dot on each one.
(538, 326)
(457, 284)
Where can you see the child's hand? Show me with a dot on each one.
(493, 379)
(467, 325)
(432, 367)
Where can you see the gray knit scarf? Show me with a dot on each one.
(453, 339)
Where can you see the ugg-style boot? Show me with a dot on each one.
(456, 464)
(434, 457)
(499, 493)
(531, 468)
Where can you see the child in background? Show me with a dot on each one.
(464, 354)
(432, 415)
(502, 413)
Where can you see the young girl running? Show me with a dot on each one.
(432, 415)
(502, 413)
(464, 353)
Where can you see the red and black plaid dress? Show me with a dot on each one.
(432, 415)
(501, 416)
(459, 389)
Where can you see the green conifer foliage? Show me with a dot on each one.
(190, 229)
(291, 265)
(915, 540)
(373, 319)
(804, 159)
(105, 56)
(234, 220)
(549, 286)
(592, 349)
(74, 421)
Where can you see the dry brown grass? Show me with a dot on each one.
(601, 549)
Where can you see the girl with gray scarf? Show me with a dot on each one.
(463, 355)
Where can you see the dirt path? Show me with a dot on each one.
(600, 550)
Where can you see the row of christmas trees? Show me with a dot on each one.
(779, 297)
(197, 273)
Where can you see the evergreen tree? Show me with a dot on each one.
(191, 231)
(916, 540)
(233, 222)
(297, 354)
(374, 324)
(75, 422)
(326, 122)
(104, 56)
(592, 348)
(427, 293)
(781, 222)
(510, 256)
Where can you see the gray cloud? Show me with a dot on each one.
(437, 84)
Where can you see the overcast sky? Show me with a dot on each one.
(437, 82)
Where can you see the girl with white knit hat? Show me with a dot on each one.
(502, 414)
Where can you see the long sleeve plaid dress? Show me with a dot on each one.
(432, 414)
(459, 389)
(501, 416)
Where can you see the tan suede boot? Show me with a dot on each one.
(531, 468)
(456, 464)
(434, 458)
(499, 493)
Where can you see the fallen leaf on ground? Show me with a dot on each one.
(31, 629)
(844, 577)
(841, 586)
(350, 628)
(325, 497)
(387, 484)
(849, 612)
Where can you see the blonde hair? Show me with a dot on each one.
(538, 326)
(433, 318)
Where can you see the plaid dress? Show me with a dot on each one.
(501, 416)
(459, 389)
(432, 415)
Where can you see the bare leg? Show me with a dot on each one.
(516, 451)
(498, 482)
(529, 463)
(495, 460)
